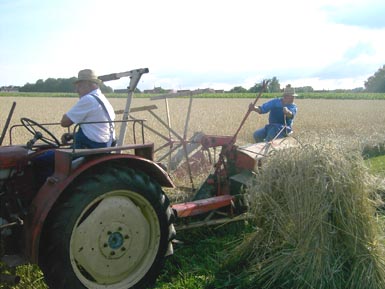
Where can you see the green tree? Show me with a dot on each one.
(304, 89)
(274, 85)
(57, 85)
(256, 88)
(238, 89)
(39, 86)
(376, 82)
(106, 89)
(50, 85)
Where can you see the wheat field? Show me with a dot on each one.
(346, 120)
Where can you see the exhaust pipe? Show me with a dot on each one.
(9, 279)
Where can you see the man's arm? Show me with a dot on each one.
(66, 121)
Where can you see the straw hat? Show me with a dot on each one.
(289, 90)
(88, 75)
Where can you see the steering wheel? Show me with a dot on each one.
(31, 125)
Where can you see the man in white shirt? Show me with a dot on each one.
(92, 106)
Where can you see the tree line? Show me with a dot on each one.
(57, 85)
(273, 86)
(375, 83)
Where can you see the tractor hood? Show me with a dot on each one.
(11, 157)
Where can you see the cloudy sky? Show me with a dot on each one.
(326, 44)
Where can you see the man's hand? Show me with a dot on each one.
(66, 138)
(287, 112)
(252, 107)
(66, 121)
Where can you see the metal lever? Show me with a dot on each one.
(115, 76)
(135, 76)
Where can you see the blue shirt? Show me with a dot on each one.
(276, 115)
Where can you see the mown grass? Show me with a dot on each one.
(375, 158)
(31, 277)
(377, 165)
(198, 256)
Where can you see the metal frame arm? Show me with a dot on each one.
(136, 73)
(135, 76)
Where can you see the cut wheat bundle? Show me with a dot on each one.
(316, 224)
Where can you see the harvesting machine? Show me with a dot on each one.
(101, 218)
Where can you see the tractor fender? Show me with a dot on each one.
(56, 185)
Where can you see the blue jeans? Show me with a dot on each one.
(44, 165)
(83, 142)
(269, 132)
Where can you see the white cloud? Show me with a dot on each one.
(193, 44)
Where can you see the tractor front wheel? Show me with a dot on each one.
(112, 231)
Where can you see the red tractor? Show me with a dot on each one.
(102, 219)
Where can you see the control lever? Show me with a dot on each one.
(38, 135)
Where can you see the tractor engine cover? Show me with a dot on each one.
(11, 157)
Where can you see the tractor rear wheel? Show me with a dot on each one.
(112, 231)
